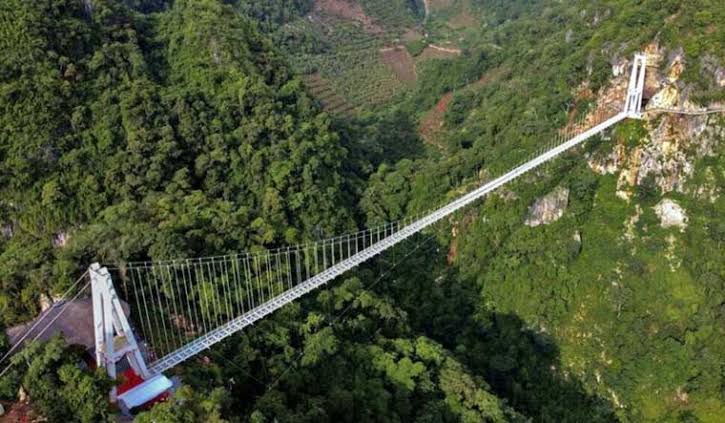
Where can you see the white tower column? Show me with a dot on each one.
(114, 336)
(633, 103)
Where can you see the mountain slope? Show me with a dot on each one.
(590, 290)
(628, 283)
(130, 136)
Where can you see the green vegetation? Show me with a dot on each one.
(353, 66)
(272, 14)
(395, 15)
(167, 117)
(634, 332)
(188, 406)
(153, 129)
(415, 48)
(60, 389)
(343, 52)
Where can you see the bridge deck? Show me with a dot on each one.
(248, 318)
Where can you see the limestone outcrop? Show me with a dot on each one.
(671, 214)
(673, 142)
(549, 208)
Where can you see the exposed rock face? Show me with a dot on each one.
(654, 53)
(88, 7)
(569, 36)
(676, 68)
(674, 261)
(6, 231)
(45, 302)
(673, 143)
(549, 208)
(628, 175)
(577, 242)
(671, 214)
(609, 164)
(577, 237)
(629, 224)
(666, 98)
(653, 80)
(667, 91)
(708, 190)
(712, 66)
(619, 67)
(61, 239)
(668, 154)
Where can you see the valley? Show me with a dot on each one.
(589, 289)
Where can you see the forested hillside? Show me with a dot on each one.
(628, 283)
(590, 290)
(129, 136)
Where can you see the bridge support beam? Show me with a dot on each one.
(114, 336)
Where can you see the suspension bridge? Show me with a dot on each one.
(183, 307)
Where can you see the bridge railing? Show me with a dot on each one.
(176, 301)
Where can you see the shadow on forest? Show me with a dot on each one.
(522, 367)
(374, 139)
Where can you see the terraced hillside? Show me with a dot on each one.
(361, 63)
(360, 55)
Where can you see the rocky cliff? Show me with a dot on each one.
(677, 132)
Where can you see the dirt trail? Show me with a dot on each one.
(445, 49)
(433, 53)
(401, 62)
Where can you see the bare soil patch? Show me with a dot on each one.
(350, 11)
(432, 5)
(19, 412)
(431, 125)
(463, 20)
(401, 62)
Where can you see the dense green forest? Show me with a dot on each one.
(154, 129)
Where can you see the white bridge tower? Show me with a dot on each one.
(633, 103)
(115, 341)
